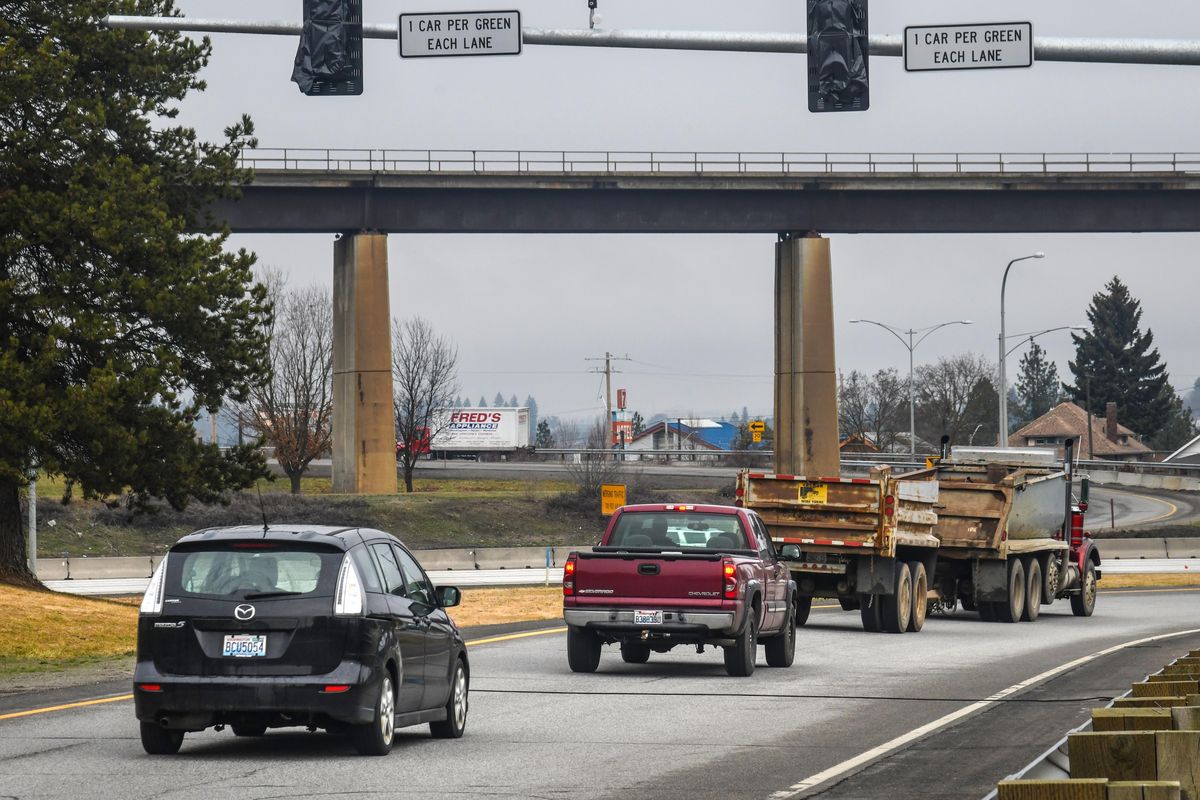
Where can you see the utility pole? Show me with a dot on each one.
(608, 371)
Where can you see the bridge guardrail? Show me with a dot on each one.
(665, 162)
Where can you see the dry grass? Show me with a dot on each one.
(42, 631)
(1133, 580)
(518, 604)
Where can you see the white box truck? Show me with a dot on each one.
(476, 432)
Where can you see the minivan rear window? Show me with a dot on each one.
(262, 569)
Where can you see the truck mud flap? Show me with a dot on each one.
(991, 581)
(875, 575)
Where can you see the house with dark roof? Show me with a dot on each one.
(703, 435)
(1094, 437)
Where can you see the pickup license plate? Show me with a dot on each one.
(816, 493)
(244, 645)
(647, 617)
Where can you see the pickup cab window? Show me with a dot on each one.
(679, 529)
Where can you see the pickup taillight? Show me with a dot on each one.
(729, 578)
(569, 576)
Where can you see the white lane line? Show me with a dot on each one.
(900, 741)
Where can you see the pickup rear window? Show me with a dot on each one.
(678, 529)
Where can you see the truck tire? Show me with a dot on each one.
(1033, 589)
(1084, 603)
(741, 655)
(781, 649)
(896, 607)
(968, 603)
(1050, 578)
(870, 611)
(583, 650)
(920, 596)
(803, 608)
(1012, 609)
(635, 652)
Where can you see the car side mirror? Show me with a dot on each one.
(449, 596)
(790, 552)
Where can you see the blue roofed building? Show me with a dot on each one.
(702, 435)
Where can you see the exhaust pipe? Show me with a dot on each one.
(164, 721)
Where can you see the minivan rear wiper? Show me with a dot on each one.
(261, 595)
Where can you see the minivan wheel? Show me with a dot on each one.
(455, 723)
(158, 741)
(375, 737)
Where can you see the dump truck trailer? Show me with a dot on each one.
(1011, 534)
(868, 542)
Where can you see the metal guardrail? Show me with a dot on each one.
(651, 162)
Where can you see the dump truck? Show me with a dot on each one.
(1011, 534)
(995, 529)
(868, 542)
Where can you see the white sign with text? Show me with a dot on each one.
(460, 33)
(995, 45)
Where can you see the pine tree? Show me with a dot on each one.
(498, 401)
(639, 424)
(1179, 429)
(1121, 363)
(482, 402)
(512, 402)
(1037, 385)
(531, 404)
(544, 437)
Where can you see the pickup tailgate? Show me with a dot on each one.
(624, 578)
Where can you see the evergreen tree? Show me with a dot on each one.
(1037, 385)
(498, 401)
(124, 316)
(512, 402)
(482, 402)
(1178, 430)
(531, 404)
(639, 424)
(1121, 363)
(544, 437)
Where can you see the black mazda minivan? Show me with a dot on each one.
(286, 625)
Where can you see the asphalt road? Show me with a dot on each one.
(674, 728)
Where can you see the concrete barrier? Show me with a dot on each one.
(445, 559)
(97, 568)
(1150, 481)
(53, 569)
(1132, 548)
(1183, 548)
(509, 557)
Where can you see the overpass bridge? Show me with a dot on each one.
(366, 194)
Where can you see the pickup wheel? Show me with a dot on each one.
(583, 650)
(781, 649)
(741, 655)
(1011, 610)
(803, 609)
(635, 652)
(869, 608)
(1033, 590)
(1084, 603)
(920, 596)
(896, 608)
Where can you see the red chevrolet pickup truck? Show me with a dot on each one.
(669, 575)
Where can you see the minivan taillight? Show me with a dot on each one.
(152, 601)
(729, 578)
(348, 596)
(569, 576)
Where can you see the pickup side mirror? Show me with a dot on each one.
(449, 596)
(790, 552)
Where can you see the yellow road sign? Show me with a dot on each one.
(815, 493)
(756, 436)
(612, 497)
(757, 426)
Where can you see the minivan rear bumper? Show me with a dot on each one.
(194, 702)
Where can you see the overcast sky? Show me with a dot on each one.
(525, 311)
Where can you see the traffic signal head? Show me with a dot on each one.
(329, 59)
(837, 55)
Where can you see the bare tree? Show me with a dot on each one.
(292, 410)
(957, 396)
(873, 407)
(424, 369)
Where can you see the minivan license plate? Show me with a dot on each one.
(243, 645)
(647, 618)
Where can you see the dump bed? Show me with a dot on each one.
(866, 515)
(992, 509)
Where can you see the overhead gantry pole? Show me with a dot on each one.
(806, 419)
(364, 427)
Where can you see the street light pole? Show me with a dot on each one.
(912, 390)
(1002, 434)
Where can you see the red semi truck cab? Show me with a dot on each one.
(666, 575)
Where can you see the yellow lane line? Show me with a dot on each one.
(1160, 590)
(66, 706)
(1174, 508)
(510, 636)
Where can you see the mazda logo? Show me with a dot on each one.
(244, 612)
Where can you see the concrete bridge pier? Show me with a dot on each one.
(364, 430)
(806, 421)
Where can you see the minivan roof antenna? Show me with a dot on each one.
(262, 508)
